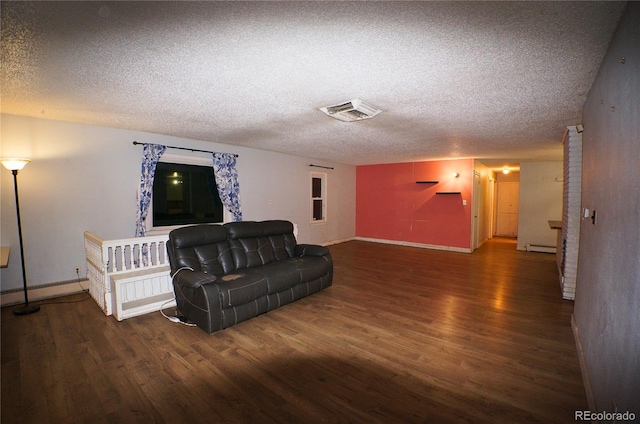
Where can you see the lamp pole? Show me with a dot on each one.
(15, 165)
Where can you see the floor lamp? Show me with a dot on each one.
(14, 165)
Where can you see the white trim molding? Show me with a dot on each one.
(420, 245)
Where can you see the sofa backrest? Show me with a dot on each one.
(258, 243)
(200, 247)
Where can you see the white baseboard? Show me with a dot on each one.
(49, 291)
(583, 366)
(329, 243)
(420, 245)
(540, 248)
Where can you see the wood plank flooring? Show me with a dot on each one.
(404, 335)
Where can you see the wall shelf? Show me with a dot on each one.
(448, 192)
(427, 182)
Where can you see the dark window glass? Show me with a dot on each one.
(317, 210)
(185, 194)
(316, 187)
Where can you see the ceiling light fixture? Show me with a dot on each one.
(353, 110)
(505, 170)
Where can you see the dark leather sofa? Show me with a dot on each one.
(226, 274)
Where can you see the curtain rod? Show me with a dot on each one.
(320, 166)
(135, 143)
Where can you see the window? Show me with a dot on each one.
(184, 193)
(318, 197)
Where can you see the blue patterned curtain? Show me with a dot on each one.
(224, 168)
(150, 155)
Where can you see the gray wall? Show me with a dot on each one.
(85, 178)
(607, 306)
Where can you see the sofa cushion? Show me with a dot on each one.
(280, 234)
(279, 275)
(276, 227)
(251, 252)
(201, 248)
(259, 243)
(197, 235)
(240, 288)
(282, 275)
(313, 267)
(284, 245)
(243, 229)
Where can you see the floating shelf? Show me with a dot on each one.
(448, 192)
(427, 182)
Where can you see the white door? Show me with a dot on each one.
(507, 214)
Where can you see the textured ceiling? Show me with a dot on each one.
(495, 81)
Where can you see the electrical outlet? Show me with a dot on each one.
(78, 271)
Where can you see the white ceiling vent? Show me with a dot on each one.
(354, 110)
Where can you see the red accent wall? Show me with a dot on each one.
(390, 205)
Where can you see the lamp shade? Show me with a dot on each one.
(13, 164)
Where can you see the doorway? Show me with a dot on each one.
(507, 208)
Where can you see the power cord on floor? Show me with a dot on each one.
(178, 319)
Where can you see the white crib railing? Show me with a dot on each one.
(128, 277)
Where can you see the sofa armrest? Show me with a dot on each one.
(311, 250)
(186, 277)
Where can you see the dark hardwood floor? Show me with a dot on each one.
(404, 335)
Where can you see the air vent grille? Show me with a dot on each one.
(354, 110)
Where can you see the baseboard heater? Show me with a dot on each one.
(540, 248)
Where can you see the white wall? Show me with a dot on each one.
(540, 201)
(85, 178)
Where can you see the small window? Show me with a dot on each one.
(318, 197)
(185, 194)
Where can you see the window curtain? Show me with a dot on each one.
(224, 169)
(151, 154)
